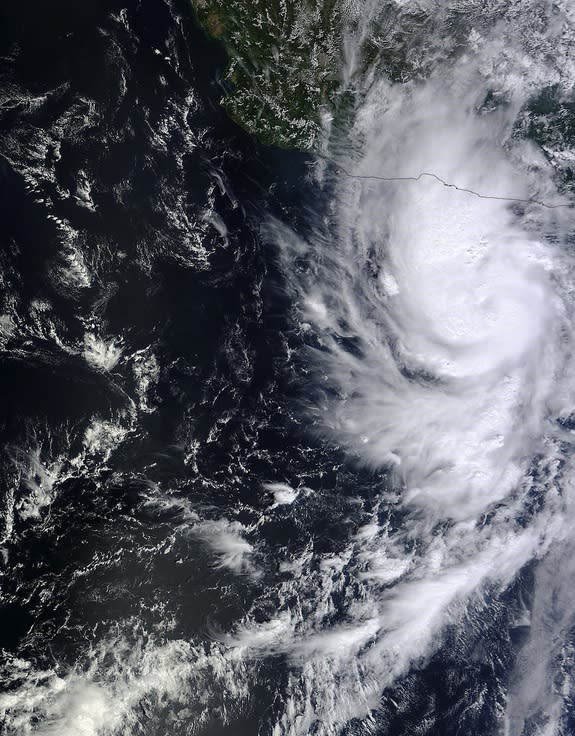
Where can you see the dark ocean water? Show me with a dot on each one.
(162, 258)
(166, 504)
(129, 101)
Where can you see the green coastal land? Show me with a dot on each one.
(286, 58)
(283, 64)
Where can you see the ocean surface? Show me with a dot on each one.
(286, 440)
